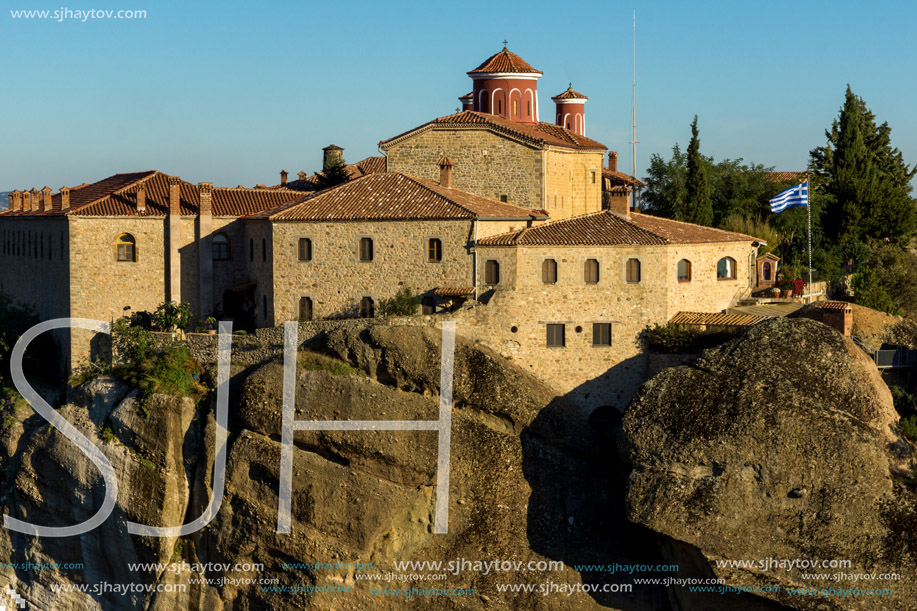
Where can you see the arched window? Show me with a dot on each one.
(766, 270)
(367, 308)
(632, 272)
(126, 247)
(428, 305)
(305, 308)
(726, 268)
(492, 272)
(220, 247)
(549, 271)
(684, 271)
(305, 249)
(434, 249)
(591, 271)
(366, 249)
(499, 107)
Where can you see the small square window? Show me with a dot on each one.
(556, 335)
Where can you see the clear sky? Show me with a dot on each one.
(232, 92)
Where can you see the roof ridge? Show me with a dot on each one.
(627, 219)
(116, 191)
(420, 183)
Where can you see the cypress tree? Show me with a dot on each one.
(698, 205)
(866, 182)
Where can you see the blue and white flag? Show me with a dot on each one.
(794, 196)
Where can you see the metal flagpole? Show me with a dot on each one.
(809, 213)
(634, 142)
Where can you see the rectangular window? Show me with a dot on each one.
(305, 308)
(305, 249)
(633, 270)
(504, 198)
(601, 334)
(434, 249)
(556, 335)
(366, 249)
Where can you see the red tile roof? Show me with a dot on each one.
(117, 196)
(569, 94)
(785, 176)
(607, 228)
(539, 134)
(370, 165)
(504, 61)
(394, 196)
(616, 178)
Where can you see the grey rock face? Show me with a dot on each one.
(780, 444)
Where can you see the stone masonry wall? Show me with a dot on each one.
(573, 182)
(34, 269)
(336, 280)
(484, 163)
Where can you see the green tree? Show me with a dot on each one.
(865, 180)
(698, 205)
(665, 185)
(335, 174)
(867, 291)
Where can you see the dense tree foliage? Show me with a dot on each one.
(865, 180)
(698, 207)
(335, 174)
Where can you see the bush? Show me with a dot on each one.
(868, 292)
(908, 427)
(171, 315)
(404, 303)
(676, 339)
(88, 372)
(904, 401)
(168, 369)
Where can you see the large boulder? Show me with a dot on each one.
(778, 445)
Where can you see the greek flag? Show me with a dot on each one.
(794, 196)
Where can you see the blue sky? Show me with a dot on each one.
(233, 92)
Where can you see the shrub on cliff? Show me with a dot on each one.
(404, 303)
(675, 339)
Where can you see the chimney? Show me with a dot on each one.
(206, 195)
(141, 200)
(15, 200)
(64, 198)
(612, 161)
(33, 199)
(45, 199)
(445, 172)
(302, 175)
(283, 178)
(333, 154)
(175, 195)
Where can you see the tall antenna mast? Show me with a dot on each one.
(634, 141)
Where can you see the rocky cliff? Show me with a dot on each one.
(531, 481)
(778, 445)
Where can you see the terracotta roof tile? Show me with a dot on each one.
(616, 178)
(678, 232)
(785, 176)
(607, 228)
(393, 196)
(504, 61)
(454, 291)
(719, 319)
(539, 134)
(569, 94)
(117, 196)
(370, 165)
